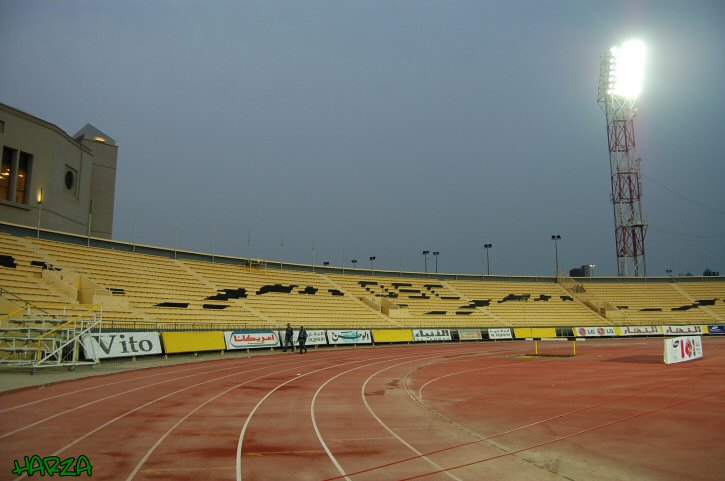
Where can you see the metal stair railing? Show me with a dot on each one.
(60, 346)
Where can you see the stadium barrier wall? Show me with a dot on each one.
(392, 335)
(193, 341)
(121, 344)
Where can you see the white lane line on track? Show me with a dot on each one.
(314, 399)
(266, 396)
(256, 407)
(77, 440)
(393, 433)
(178, 423)
(77, 391)
(90, 403)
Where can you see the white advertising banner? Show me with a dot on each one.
(692, 330)
(251, 339)
(500, 333)
(315, 337)
(469, 334)
(640, 331)
(425, 335)
(349, 336)
(681, 349)
(121, 344)
(594, 331)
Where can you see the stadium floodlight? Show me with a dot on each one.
(626, 69)
(620, 83)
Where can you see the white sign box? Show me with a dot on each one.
(681, 349)
(121, 344)
(469, 334)
(422, 335)
(349, 336)
(500, 333)
(251, 339)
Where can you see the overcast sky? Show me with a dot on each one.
(385, 127)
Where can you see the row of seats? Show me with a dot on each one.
(142, 289)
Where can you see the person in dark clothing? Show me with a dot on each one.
(288, 338)
(302, 339)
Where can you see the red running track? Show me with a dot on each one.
(469, 411)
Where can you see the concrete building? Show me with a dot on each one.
(54, 180)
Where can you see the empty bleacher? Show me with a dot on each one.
(151, 291)
(645, 302)
(158, 288)
(526, 303)
(282, 296)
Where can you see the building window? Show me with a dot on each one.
(15, 175)
(2, 126)
(70, 179)
(5, 171)
(24, 163)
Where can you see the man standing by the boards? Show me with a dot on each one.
(302, 338)
(288, 336)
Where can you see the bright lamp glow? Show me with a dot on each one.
(626, 69)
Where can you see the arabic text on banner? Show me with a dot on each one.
(424, 335)
(349, 336)
(689, 330)
(251, 339)
(500, 333)
(640, 330)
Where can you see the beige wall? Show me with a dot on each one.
(54, 154)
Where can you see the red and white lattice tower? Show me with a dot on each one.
(620, 84)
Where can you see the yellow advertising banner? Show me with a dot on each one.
(392, 335)
(541, 332)
(193, 341)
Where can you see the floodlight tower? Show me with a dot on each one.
(620, 83)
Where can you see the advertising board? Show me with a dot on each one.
(469, 334)
(683, 348)
(248, 339)
(427, 335)
(640, 330)
(594, 331)
(500, 333)
(121, 344)
(349, 336)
